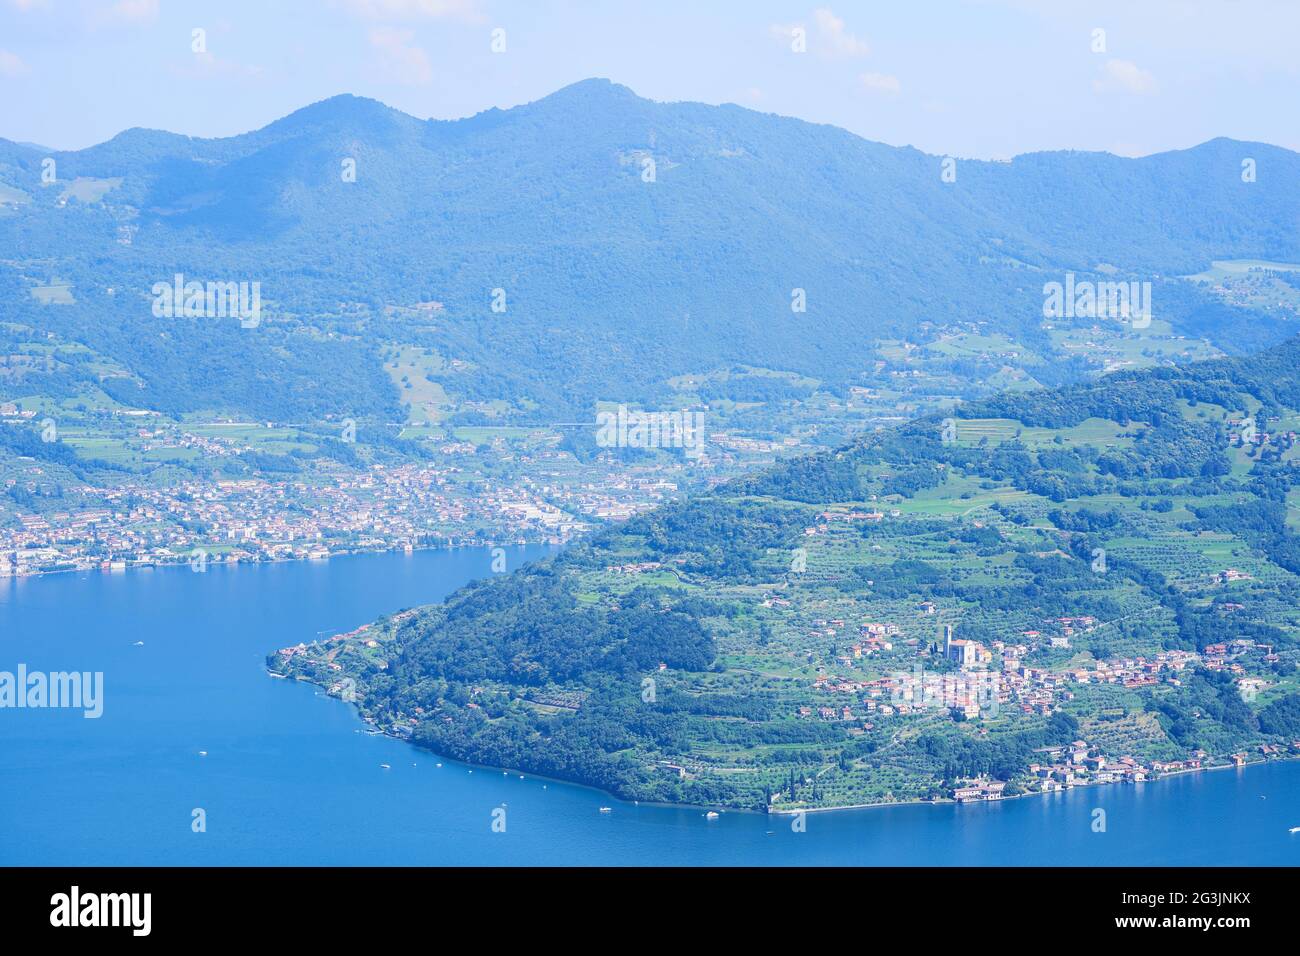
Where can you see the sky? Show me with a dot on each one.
(985, 79)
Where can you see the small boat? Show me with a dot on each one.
(203, 753)
(606, 809)
(437, 765)
(138, 644)
(384, 766)
(1294, 830)
(711, 815)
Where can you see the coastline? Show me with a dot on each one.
(354, 552)
(792, 812)
(946, 801)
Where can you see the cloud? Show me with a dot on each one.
(135, 9)
(832, 31)
(400, 59)
(881, 83)
(1123, 76)
(11, 64)
(464, 10)
(828, 38)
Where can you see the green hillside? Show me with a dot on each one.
(1123, 554)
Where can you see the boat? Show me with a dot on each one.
(711, 815)
(203, 753)
(384, 766)
(1294, 830)
(606, 809)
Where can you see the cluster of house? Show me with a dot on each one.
(977, 689)
(400, 507)
(637, 567)
(1132, 672)
(328, 511)
(1077, 764)
(828, 518)
(751, 445)
(981, 788)
(1247, 431)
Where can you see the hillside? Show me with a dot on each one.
(1120, 557)
(612, 284)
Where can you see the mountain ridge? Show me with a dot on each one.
(331, 107)
(634, 242)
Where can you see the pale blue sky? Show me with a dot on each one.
(981, 78)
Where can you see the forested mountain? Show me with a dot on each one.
(631, 240)
(1121, 555)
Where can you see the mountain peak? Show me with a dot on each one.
(595, 86)
(595, 91)
(344, 107)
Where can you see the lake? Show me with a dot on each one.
(290, 777)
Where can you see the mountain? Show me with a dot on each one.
(1118, 563)
(611, 284)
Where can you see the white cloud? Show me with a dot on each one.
(11, 64)
(829, 38)
(400, 59)
(881, 83)
(1123, 76)
(466, 10)
(839, 42)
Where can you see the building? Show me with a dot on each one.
(964, 653)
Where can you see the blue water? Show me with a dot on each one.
(288, 778)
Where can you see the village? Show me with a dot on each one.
(397, 507)
(976, 690)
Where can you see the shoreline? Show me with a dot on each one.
(184, 562)
(792, 812)
(946, 801)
